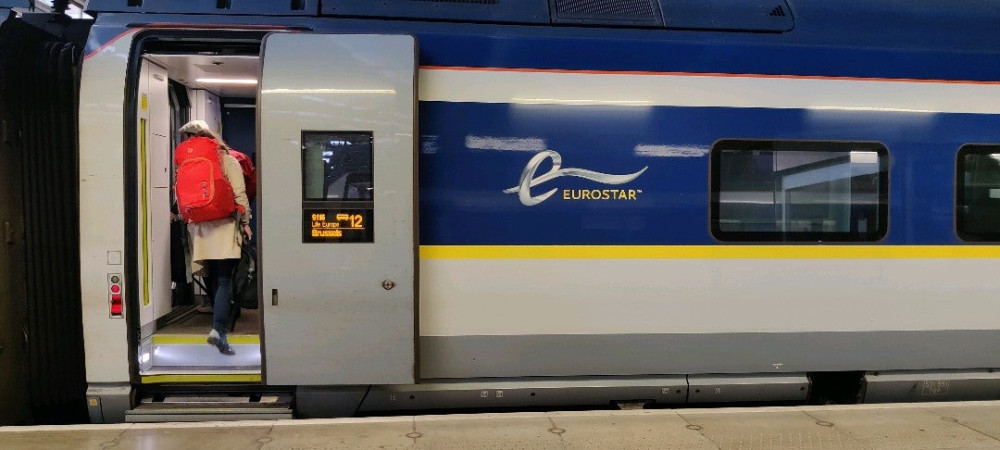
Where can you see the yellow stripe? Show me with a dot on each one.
(200, 339)
(708, 251)
(206, 378)
(145, 209)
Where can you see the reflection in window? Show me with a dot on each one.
(799, 191)
(337, 165)
(977, 208)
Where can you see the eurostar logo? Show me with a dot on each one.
(529, 180)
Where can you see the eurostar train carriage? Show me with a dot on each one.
(548, 203)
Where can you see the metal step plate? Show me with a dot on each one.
(196, 408)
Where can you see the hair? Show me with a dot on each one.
(201, 128)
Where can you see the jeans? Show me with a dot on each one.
(220, 278)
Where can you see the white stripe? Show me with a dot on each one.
(679, 151)
(505, 143)
(638, 90)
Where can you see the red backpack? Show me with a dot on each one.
(249, 174)
(203, 192)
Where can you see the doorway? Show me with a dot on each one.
(212, 83)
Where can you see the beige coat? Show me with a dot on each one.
(220, 238)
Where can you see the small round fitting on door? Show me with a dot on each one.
(388, 284)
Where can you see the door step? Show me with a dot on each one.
(180, 353)
(199, 408)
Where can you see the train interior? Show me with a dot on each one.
(175, 314)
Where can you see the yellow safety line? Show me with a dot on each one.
(200, 339)
(708, 251)
(203, 378)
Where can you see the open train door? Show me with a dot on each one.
(337, 228)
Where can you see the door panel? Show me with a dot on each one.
(337, 208)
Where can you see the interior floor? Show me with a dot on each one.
(179, 351)
(199, 323)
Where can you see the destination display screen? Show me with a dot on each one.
(337, 225)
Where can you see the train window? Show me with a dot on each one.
(977, 206)
(337, 187)
(802, 191)
(337, 165)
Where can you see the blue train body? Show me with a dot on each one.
(461, 189)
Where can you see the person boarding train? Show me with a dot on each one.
(215, 235)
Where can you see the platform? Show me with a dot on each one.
(965, 425)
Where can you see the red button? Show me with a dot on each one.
(115, 288)
(116, 309)
(116, 298)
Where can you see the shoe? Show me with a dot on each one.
(203, 309)
(223, 347)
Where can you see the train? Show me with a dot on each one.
(516, 204)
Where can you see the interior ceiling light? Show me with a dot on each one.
(226, 80)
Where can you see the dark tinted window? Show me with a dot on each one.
(337, 165)
(977, 206)
(799, 191)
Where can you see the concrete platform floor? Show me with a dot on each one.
(965, 425)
